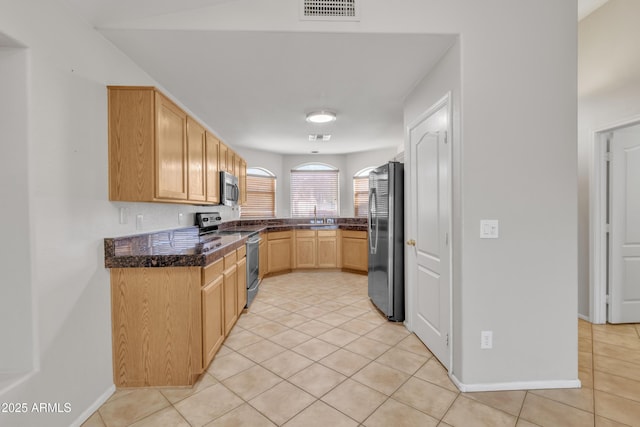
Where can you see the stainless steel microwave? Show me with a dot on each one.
(229, 189)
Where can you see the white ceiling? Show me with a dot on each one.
(586, 7)
(255, 88)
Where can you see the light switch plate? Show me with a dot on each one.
(489, 229)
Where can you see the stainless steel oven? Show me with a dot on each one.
(209, 222)
(253, 257)
(229, 189)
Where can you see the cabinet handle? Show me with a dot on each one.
(411, 242)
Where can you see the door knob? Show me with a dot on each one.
(411, 242)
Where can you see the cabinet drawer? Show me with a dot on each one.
(305, 233)
(211, 271)
(280, 235)
(354, 234)
(241, 252)
(327, 233)
(230, 260)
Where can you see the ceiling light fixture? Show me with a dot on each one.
(322, 116)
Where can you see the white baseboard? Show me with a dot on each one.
(583, 317)
(94, 406)
(516, 385)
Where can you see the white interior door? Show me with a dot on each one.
(624, 221)
(428, 254)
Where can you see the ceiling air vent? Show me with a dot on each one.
(330, 10)
(319, 137)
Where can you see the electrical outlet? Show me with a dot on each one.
(139, 220)
(180, 218)
(124, 215)
(486, 340)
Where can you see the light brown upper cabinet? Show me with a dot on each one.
(147, 146)
(196, 139)
(157, 153)
(213, 173)
(243, 181)
(223, 155)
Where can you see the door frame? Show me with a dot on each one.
(598, 188)
(410, 267)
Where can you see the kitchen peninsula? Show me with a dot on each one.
(176, 295)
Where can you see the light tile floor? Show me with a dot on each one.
(312, 351)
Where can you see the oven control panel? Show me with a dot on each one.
(208, 219)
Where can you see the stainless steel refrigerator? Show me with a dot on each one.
(386, 239)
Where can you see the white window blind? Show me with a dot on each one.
(314, 189)
(261, 197)
(361, 196)
(361, 192)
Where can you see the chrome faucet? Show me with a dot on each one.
(315, 214)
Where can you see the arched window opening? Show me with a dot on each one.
(314, 191)
(261, 194)
(361, 192)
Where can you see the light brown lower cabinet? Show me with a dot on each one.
(156, 318)
(241, 285)
(316, 249)
(230, 291)
(327, 249)
(168, 323)
(355, 250)
(305, 253)
(279, 251)
(212, 310)
(262, 254)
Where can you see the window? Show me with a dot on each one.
(361, 192)
(314, 187)
(261, 194)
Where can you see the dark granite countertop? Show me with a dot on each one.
(184, 248)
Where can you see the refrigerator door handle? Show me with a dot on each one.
(373, 241)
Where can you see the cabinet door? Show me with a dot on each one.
(355, 254)
(279, 255)
(196, 137)
(263, 267)
(213, 173)
(236, 165)
(327, 252)
(222, 158)
(242, 285)
(131, 144)
(242, 176)
(156, 323)
(230, 298)
(212, 319)
(171, 150)
(305, 252)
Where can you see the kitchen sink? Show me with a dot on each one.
(317, 226)
(324, 227)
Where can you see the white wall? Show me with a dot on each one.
(55, 155)
(608, 95)
(348, 164)
(515, 78)
(443, 79)
(522, 286)
(16, 325)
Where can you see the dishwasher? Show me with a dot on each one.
(253, 266)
